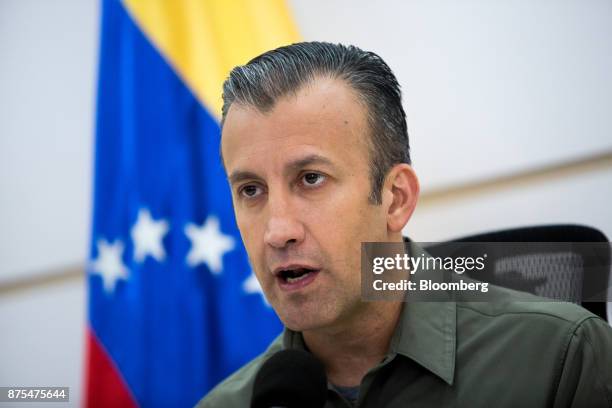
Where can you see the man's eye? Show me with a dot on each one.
(313, 179)
(250, 191)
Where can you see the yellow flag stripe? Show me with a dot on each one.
(204, 39)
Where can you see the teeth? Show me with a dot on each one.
(299, 278)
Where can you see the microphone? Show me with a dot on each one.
(290, 379)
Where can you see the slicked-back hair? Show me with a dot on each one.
(265, 79)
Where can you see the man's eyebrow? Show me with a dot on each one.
(241, 175)
(307, 161)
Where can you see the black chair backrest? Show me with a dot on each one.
(542, 269)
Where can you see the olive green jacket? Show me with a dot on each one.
(506, 353)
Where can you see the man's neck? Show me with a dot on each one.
(349, 351)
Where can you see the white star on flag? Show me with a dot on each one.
(252, 287)
(208, 244)
(147, 235)
(109, 265)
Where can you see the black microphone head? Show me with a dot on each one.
(292, 379)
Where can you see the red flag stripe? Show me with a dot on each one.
(104, 385)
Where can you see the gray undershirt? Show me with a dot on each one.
(349, 393)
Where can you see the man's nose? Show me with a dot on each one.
(283, 228)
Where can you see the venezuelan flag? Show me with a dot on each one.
(173, 305)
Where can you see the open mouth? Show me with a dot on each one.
(295, 275)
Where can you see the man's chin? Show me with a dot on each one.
(302, 326)
(300, 322)
(303, 313)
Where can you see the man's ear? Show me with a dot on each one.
(401, 191)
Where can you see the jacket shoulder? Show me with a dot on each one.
(521, 305)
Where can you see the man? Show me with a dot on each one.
(315, 146)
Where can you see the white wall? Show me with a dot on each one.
(491, 88)
(41, 340)
(581, 198)
(48, 52)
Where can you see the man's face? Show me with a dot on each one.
(300, 184)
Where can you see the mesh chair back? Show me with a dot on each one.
(546, 270)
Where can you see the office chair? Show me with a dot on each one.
(542, 260)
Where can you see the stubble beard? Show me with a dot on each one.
(305, 312)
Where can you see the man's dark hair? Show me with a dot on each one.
(285, 70)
